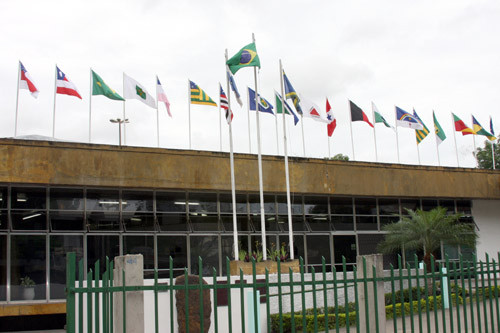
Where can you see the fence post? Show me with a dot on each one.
(364, 265)
(70, 295)
(133, 266)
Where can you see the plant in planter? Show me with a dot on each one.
(256, 254)
(28, 288)
(278, 254)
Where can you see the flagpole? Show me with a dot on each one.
(277, 140)
(418, 148)
(259, 159)
(303, 139)
(397, 133)
(231, 162)
(189, 112)
(493, 153)
(17, 97)
(220, 124)
(157, 115)
(374, 134)
(435, 138)
(124, 116)
(90, 107)
(54, 111)
(455, 138)
(328, 138)
(350, 123)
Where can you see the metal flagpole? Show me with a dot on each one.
(374, 134)
(220, 124)
(287, 176)
(157, 115)
(435, 138)
(90, 106)
(303, 139)
(231, 162)
(397, 133)
(124, 116)
(350, 123)
(277, 141)
(328, 138)
(259, 159)
(455, 138)
(418, 148)
(189, 112)
(17, 96)
(54, 112)
(493, 153)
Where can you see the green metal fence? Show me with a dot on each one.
(449, 296)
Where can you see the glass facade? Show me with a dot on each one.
(39, 225)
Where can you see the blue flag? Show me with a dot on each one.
(405, 119)
(288, 109)
(491, 127)
(232, 83)
(290, 93)
(264, 105)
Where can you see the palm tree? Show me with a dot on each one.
(425, 230)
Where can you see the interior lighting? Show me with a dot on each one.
(31, 216)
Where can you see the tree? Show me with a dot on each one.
(340, 157)
(425, 230)
(483, 156)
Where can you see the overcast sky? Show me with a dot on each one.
(427, 55)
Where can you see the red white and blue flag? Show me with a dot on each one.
(332, 122)
(65, 86)
(26, 82)
(224, 104)
(161, 96)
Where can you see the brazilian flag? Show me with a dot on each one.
(101, 88)
(245, 58)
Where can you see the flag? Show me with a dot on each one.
(491, 127)
(440, 136)
(65, 86)
(134, 90)
(461, 127)
(422, 133)
(264, 105)
(290, 93)
(311, 110)
(224, 104)
(198, 96)
(101, 88)
(246, 57)
(357, 114)
(26, 82)
(331, 118)
(479, 130)
(405, 119)
(161, 96)
(379, 118)
(232, 84)
(288, 109)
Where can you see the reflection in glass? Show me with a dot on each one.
(269, 204)
(27, 260)
(175, 247)
(341, 205)
(3, 197)
(227, 249)
(296, 204)
(171, 202)
(98, 247)
(29, 220)
(464, 207)
(4, 220)
(204, 222)
(141, 245)
(412, 204)
(270, 222)
(366, 223)
(366, 206)
(316, 205)
(66, 198)
(172, 222)
(388, 206)
(63, 220)
(298, 223)
(59, 246)
(28, 198)
(202, 202)
(242, 222)
(138, 221)
(137, 201)
(103, 200)
(318, 246)
(449, 205)
(343, 222)
(298, 245)
(3, 267)
(318, 222)
(226, 203)
(429, 204)
(368, 245)
(206, 247)
(344, 246)
(103, 221)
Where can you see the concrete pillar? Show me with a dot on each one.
(377, 261)
(133, 265)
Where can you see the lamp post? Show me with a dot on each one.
(119, 122)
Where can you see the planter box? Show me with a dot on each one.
(260, 267)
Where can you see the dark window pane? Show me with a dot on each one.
(98, 247)
(319, 222)
(428, 204)
(3, 267)
(29, 220)
(464, 207)
(270, 221)
(226, 203)
(28, 260)
(388, 220)
(103, 200)
(4, 220)
(175, 247)
(206, 247)
(28, 198)
(3, 197)
(138, 221)
(344, 246)
(368, 245)
(451, 251)
(59, 247)
(388, 206)
(365, 206)
(298, 223)
(203, 202)
(171, 202)
(61, 220)
(141, 245)
(316, 205)
(343, 222)
(412, 204)
(295, 201)
(66, 198)
(269, 204)
(137, 201)
(172, 222)
(318, 246)
(242, 221)
(204, 222)
(103, 221)
(366, 223)
(449, 205)
(340, 205)
(298, 245)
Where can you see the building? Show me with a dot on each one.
(100, 200)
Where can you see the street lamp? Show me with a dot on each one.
(119, 122)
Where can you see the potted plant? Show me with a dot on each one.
(28, 286)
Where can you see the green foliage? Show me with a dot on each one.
(278, 254)
(485, 292)
(340, 157)
(406, 295)
(332, 319)
(27, 282)
(389, 309)
(483, 156)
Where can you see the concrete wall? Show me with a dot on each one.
(487, 217)
(60, 163)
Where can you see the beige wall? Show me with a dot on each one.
(59, 163)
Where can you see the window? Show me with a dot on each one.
(66, 199)
(60, 245)
(226, 203)
(206, 247)
(366, 214)
(3, 267)
(103, 200)
(99, 247)
(318, 246)
(316, 205)
(137, 201)
(28, 259)
(344, 246)
(202, 202)
(295, 201)
(29, 208)
(171, 202)
(142, 245)
(172, 222)
(269, 204)
(175, 247)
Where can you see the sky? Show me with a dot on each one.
(426, 55)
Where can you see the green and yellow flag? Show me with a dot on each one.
(420, 134)
(101, 88)
(198, 96)
(246, 57)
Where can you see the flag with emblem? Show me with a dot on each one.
(64, 85)
(246, 57)
(479, 130)
(461, 127)
(440, 136)
(99, 87)
(290, 93)
(134, 90)
(331, 118)
(161, 96)
(198, 96)
(378, 118)
(264, 105)
(405, 119)
(25, 81)
(420, 134)
(312, 110)
(224, 104)
(288, 109)
(234, 88)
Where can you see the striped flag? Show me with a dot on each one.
(234, 88)
(65, 86)
(26, 82)
(198, 96)
(224, 104)
(440, 136)
(422, 133)
(161, 96)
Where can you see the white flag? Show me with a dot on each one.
(312, 110)
(134, 90)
